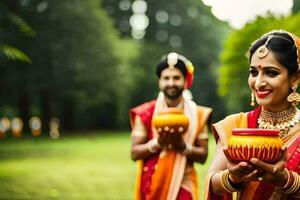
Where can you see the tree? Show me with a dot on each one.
(73, 63)
(189, 28)
(10, 23)
(296, 6)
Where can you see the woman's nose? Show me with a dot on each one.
(260, 82)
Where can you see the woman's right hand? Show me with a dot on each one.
(241, 171)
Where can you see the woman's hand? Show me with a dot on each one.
(242, 171)
(272, 173)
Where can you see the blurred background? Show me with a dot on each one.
(78, 66)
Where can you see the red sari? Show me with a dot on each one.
(257, 190)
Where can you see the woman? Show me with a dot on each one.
(273, 79)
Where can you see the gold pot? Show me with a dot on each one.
(171, 120)
(264, 144)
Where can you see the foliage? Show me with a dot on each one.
(127, 51)
(13, 53)
(233, 74)
(296, 6)
(189, 29)
(72, 60)
(12, 23)
(120, 12)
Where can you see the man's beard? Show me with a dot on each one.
(172, 94)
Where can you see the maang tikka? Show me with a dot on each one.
(263, 51)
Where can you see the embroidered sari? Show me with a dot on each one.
(167, 175)
(257, 190)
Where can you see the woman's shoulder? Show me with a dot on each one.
(235, 116)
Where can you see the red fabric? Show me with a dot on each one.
(145, 112)
(293, 163)
(265, 189)
(184, 195)
(252, 117)
(188, 80)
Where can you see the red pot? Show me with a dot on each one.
(264, 144)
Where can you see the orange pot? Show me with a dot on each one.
(171, 120)
(264, 144)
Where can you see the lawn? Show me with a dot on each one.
(87, 166)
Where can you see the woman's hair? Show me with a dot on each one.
(283, 47)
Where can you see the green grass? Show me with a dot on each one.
(86, 166)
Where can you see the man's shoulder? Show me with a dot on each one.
(204, 108)
(145, 106)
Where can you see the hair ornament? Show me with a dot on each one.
(295, 38)
(172, 59)
(263, 51)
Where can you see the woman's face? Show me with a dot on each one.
(270, 82)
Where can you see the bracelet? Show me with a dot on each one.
(296, 183)
(237, 186)
(288, 182)
(293, 183)
(225, 183)
(188, 149)
(153, 145)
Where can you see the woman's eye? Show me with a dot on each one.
(272, 73)
(253, 72)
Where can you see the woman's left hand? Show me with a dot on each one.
(272, 173)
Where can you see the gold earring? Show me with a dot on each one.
(294, 97)
(252, 103)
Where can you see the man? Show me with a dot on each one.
(166, 160)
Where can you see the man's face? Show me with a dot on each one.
(171, 82)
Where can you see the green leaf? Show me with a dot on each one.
(13, 53)
(22, 24)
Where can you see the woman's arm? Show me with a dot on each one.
(218, 164)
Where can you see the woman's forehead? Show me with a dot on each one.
(268, 61)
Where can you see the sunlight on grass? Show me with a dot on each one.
(91, 166)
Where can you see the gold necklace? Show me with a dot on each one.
(282, 121)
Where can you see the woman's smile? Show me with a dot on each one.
(262, 93)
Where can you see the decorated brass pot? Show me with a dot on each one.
(171, 120)
(264, 144)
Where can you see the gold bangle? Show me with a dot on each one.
(296, 184)
(224, 180)
(288, 180)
